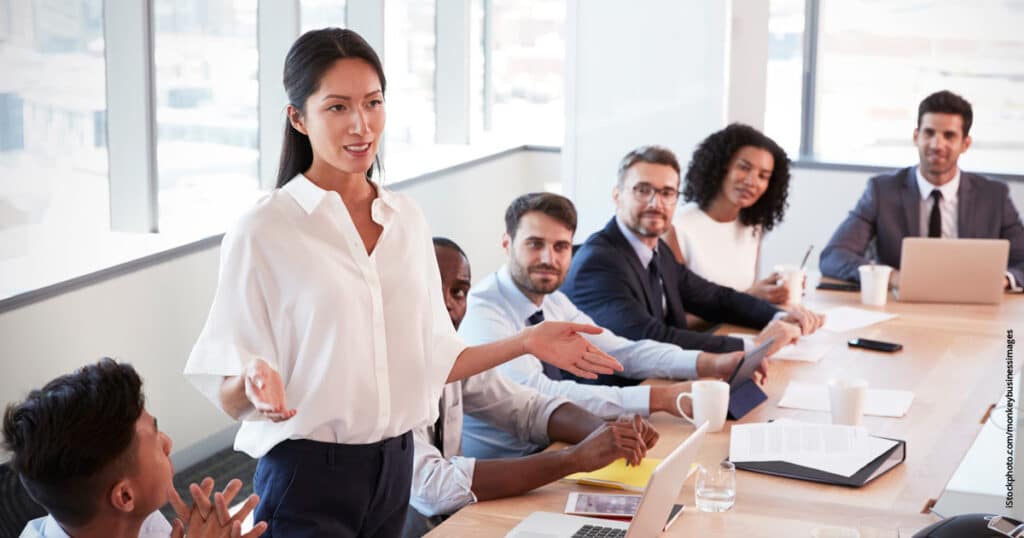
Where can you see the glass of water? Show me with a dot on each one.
(715, 488)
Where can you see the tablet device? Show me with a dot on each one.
(749, 364)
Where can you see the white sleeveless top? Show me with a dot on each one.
(722, 252)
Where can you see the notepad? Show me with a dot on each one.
(835, 449)
(617, 475)
(878, 402)
(845, 318)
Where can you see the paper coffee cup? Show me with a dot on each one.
(874, 284)
(793, 276)
(846, 400)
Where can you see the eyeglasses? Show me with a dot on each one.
(643, 192)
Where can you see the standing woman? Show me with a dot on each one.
(327, 336)
(736, 185)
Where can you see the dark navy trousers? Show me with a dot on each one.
(312, 489)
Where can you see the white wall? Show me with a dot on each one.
(152, 317)
(654, 73)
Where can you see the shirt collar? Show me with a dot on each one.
(948, 190)
(309, 195)
(521, 305)
(644, 252)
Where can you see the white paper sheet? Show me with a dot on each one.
(878, 402)
(841, 450)
(845, 318)
(811, 348)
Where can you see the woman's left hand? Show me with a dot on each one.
(559, 343)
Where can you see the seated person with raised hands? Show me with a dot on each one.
(444, 480)
(736, 187)
(627, 279)
(86, 449)
(932, 199)
(538, 236)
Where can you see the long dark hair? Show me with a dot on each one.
(310, 56)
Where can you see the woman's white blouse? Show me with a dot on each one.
(722, 252)
(363, 343)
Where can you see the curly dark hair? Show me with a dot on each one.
(710, 162)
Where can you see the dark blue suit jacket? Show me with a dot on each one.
(890, 210)
(607, 282)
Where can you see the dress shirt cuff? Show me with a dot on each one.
(637, 400)
(684, 364)
(452, 491)
(539, 435)
(779, 315)
(1014, 285)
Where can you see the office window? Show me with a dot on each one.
(53, 157)
(317, 14)
(477, 68)
(877, 59)
(528, 70)
(409, 65)
(206, 66)
(785, 74)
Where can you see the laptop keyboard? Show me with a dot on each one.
(593, 531)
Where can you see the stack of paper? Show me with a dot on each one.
(877, 402)
(841, 450)
(845, 318)
(618, 475)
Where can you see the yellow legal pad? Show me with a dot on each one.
(618, 476)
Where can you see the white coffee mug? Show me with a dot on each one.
(793, 276)
(874, 284)
(846, 400)
(710, 403)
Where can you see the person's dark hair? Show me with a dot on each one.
(448, 243)
(647, 154)
(947, 102)
(710, 164)
(312, 54)
(70, 439)
(553, 205)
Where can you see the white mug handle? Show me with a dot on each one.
(679, 407)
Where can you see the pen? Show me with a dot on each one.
(807, 255)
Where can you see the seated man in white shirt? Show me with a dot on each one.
(86, 449)
(538, 241)
(444, 481)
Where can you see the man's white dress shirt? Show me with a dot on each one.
(155, 526)
(497, 309)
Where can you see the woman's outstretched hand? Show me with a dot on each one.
(559, 343)
(265, 390)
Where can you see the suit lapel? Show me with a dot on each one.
(911, 204)
(621, 243)
(964, 200)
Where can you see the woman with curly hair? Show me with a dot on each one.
(736, 187)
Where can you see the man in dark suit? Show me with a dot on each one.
(933, 199)
(626, 278)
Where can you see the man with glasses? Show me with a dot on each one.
(627, 280)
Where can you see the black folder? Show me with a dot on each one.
(877, 467)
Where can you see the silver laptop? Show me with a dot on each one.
(952, 270)
(659, 496)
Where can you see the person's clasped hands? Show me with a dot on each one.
(206, 518)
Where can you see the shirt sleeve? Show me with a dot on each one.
(516, 409)
(238, 328)
(439, 486)
(488, 325)
(642, 359)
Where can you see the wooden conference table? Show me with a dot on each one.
(953, 359)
